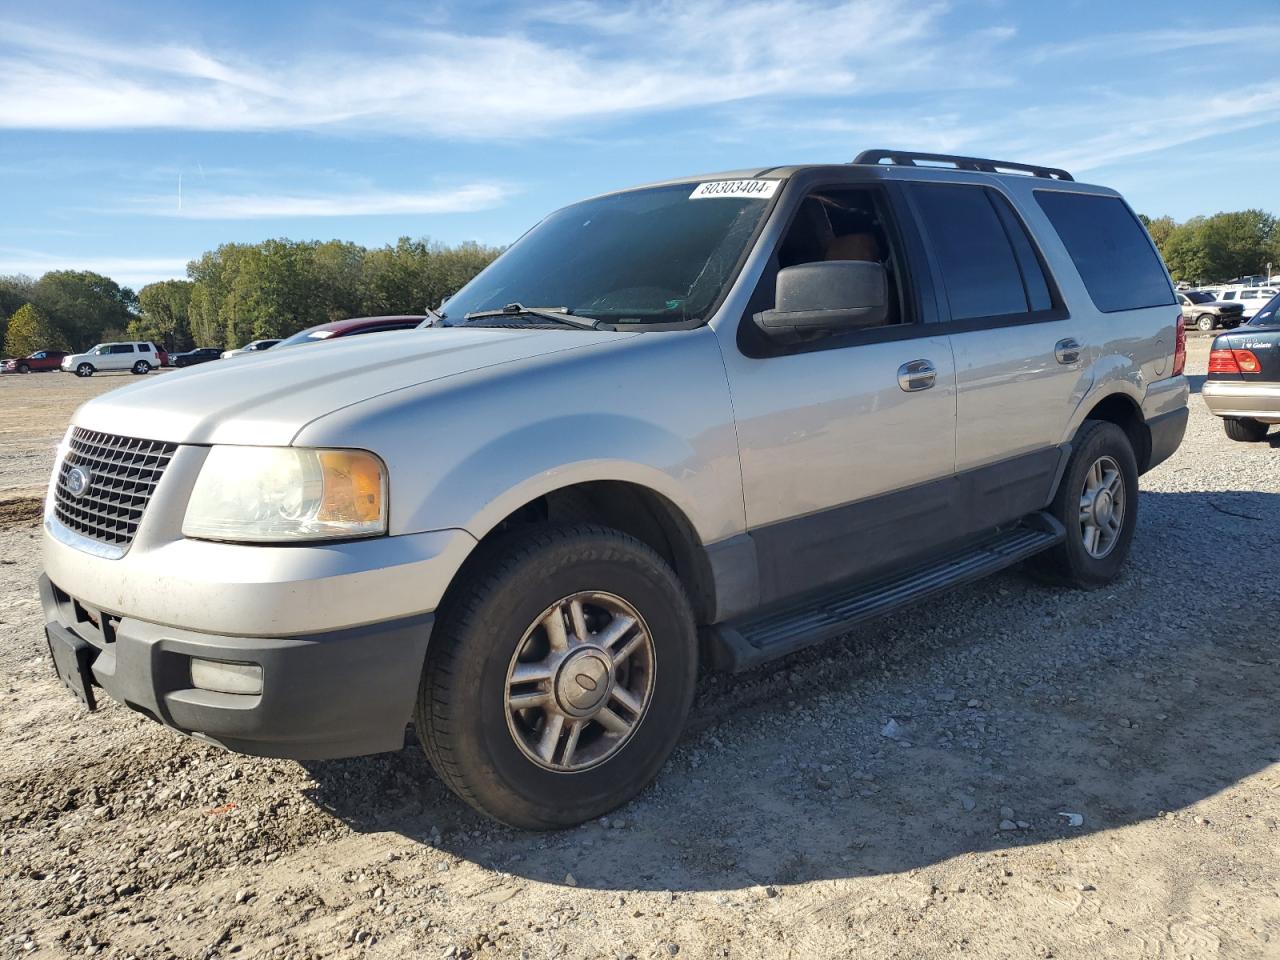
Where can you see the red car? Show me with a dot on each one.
(352, 327)
(40, 360)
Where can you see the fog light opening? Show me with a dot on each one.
(220, 677)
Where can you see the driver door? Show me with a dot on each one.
(847, 459)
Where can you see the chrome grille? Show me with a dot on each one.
(123, 473)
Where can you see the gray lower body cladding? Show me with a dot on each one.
(340, 694)
(1167, 431)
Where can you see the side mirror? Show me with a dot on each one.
(834, 296)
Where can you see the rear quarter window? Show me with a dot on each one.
(1111, 250)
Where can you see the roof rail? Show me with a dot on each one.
(908, 158)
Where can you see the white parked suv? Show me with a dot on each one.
(1252, 299)
(136, 356)
(697, 424)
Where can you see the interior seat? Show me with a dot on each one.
(854, 246)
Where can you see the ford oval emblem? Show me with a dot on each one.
(78, 482)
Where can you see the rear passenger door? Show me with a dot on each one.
(1021, 359)
(120, 356)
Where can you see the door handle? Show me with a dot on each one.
(917, 375)
(1067, 351)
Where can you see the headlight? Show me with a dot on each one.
(267, 494)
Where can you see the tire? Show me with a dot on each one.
(1205, 322)
(84, 370)
(1244, 429)
(141, 367)
(1072, 562)
(24, 368)
(483, 749)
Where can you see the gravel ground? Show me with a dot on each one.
(34, 410)
(1017, 771)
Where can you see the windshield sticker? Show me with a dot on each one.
(755, 189)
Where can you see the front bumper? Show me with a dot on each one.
(1254, 399)
(334, 694)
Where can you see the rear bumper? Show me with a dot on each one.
(1257, 400)
(336, 694)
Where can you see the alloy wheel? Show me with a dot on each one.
(1102, 506)
(580, 681)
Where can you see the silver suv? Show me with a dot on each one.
(704, 422)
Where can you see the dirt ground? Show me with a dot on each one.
(1066, 774)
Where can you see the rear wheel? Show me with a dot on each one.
(1097, 501)
(558, 676)
(1204, 322)
(142, 367)
(84, 370)
(1244, 429)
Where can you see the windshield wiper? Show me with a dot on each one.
(555, 314)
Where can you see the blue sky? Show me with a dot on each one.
(135, 136)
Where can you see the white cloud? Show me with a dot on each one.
(201, 205)
(1102, 130)
(604, 62)
(1254, 37)
(132, 272)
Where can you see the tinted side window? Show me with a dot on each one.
(1116, 260)
(1037, 287)
(973, 251)
(122, 348)
(144, 348)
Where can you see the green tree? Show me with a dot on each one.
(84, 305)
(1160, 229)
(1185, 252)
(240, 292)
(29, 331)
(164, 314)
(415, 274)
(15, 290)
(1237, 244)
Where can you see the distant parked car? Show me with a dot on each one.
(41, 360)
(1251, 299)
(136, 356)
(353, 327)
(198, 355)
(253, 347)
(1243, 386)
(1201, 309)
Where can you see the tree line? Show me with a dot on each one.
(241, 292)
(236, 293)
(1217, 248)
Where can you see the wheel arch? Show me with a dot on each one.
(631, 507)
(1124, 411)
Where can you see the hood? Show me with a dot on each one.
(264, 399)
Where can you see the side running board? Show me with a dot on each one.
(761, 636)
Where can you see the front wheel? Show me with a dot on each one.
(1204, 322)
(1245, 429)
(84, 370)
(558, 677)
(24, 368)
(1097, 502)
(141, 367)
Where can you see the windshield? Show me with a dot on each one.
(644, 256)
(1269, 315)
(1196, 296)
(305, 336)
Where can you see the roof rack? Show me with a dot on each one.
(908, 158)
